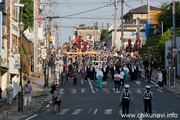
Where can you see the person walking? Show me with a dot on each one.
(99, 76)
(82, 75)
(27, 93)
(9, 90)
(75, 74)
(57, 99)
(46, 75)
(122, 75)
(164, 73)
(117, 81)
(160, 79)
(125, 101)
(126, 69)
(53, 88)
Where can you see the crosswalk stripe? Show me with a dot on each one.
(63, 111)
(159, 90)
(73, 91)
(95, 111)
(108, 111)
(77, 111)
(83, 90)
(105, 90)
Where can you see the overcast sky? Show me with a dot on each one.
(68, 7)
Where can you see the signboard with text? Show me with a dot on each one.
(17, 64)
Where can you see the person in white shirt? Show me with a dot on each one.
(61, 65)
(117, 81)
(126, 70)
(160, 79)
(9, 90)
(99, 76)
(122, 75)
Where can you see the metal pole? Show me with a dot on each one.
(174, 35)
(115, 29)
(57, 37)
(20, 94)
(148, 10)
(35, 35)
(121, 21)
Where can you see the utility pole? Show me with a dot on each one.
(115, 29)
(148, 4)
(35, 35)
(138, 28)
(174, 36)
(57, 37)
(121, 22)
(141, 2)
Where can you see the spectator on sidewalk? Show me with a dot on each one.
(160, 79)
(46, 74)
(27, 93)
(53, 88)
(57, 99)
(9, 90)
(164, 73)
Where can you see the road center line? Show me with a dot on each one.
(95, 111)
(31, 117)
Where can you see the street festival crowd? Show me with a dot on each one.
(102, 66)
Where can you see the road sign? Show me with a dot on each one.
(174, 52)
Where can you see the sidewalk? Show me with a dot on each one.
(38, 95)
(175, 89)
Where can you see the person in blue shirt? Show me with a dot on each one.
(125, 100)
(46, 76)
(147, 98)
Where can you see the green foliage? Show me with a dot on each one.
(161, 45)
(27, 15)
(166, 15)
(104, 33)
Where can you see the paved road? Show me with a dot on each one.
(86, 102)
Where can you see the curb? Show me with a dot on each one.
(167, 88)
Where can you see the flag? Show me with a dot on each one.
(147, 29)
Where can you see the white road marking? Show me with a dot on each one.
(139, 91)
(63, 111)
(77, 111)
(108, 111)
(138, 82)
(47, 110)
(91, 86)
(47, 98)
(31, 117)
(73, 91)
(159, 90)
(48, 105)
(96, 90)
(89, 111)
(95, 111)
(105, 90)
(83, 90)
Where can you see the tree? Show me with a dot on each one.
(28, 16)
(104, 33)
(161, 45)
(166, 15)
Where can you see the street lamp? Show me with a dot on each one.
(20, 93)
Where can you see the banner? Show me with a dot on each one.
(147, 29)
(17, 64)
(43, 53)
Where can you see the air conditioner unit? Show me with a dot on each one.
(4, 30)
